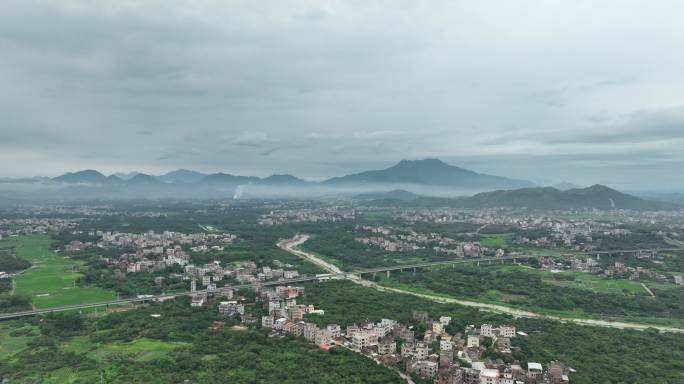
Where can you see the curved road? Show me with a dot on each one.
(290, 245)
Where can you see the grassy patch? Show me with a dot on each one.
(142, 349)
(14, 337)
(494, 241)
(598, 284)
(51, 281)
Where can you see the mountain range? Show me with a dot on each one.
(541, 198)
(427, 172)
(428, 183)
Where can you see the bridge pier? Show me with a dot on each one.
(414, 271)
(388, 274)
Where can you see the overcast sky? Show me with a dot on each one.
(584, 91)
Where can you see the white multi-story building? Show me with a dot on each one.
(473, 341)
(267, 321)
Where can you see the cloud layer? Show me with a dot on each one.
(545, 91)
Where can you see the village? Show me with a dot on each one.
(536, 230)
(308, 215)
(436, 355)
(16, 227)
(407, 240)
(154, 252)
(616, 269)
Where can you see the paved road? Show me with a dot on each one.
(144, 298)
(288, 246)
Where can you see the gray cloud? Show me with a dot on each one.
(320, 89)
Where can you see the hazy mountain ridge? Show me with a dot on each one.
(88, 176)
(182, 176)
(565, 186)
(427, 183)
(285, 179)
(547, 198)
(429, 172)
(419, 172)
(397, 194)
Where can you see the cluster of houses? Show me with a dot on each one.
(165, 239)
(617, 269)
(16, 227)
(246, 273)
(578, 234)
(153, 251)
(280, 302)
(407, 240)
(308, 215)
(437, 356)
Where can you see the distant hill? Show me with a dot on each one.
(88, 176)
(564, 186)
(182, 176)
(126, 175)
(548, 198)
(142, 179)
(227, 179)
(283, 180)
(428, 172)
(397, 194)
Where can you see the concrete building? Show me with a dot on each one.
(473, 341)
(267, 321)
(489, 376)
(387, 346)
(534, 370)
(426, 369)
(421, 352)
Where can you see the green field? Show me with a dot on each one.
(582, 280)
(142, 349)
(51, 281)
(494, 241)
(595, 283)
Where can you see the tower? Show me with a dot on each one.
(193, 285)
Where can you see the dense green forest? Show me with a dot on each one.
(10, 263)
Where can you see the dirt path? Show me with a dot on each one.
(647, 289)
(290, 244)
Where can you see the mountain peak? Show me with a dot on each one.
(182, 176)
(88, 176)
(282, 180)
(143, 179)
(430, 171)
(429, 162)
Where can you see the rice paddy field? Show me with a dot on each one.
(51, 280)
